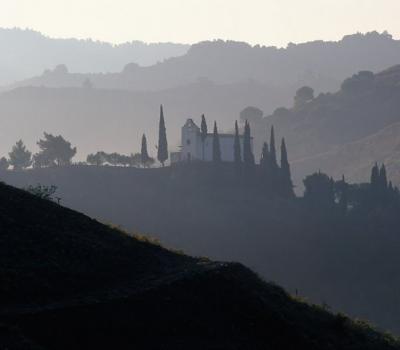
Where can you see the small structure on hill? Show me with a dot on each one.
(194, 149)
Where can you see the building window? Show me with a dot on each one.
(188, 142)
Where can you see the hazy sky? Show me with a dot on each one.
(274, 22)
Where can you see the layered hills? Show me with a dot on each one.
(28, 53)
(347, 131)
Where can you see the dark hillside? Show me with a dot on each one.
(352, 265)
(70, 282)
(49, 251)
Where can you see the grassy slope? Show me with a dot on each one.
(155, 298)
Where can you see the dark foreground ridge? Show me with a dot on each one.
(69, 282)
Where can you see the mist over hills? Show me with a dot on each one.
(340, 133)
(347, 131)
(219, 79)
(27, 53)
(114, 120)
(320, 64)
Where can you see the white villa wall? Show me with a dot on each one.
(192, 145)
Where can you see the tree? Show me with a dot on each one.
(204, 132)
(362, 81)
(237, 152)
(96, 159)
(248, 156)
(143, 153)
(135, 160)
(251, 115)
(273, 163)
(375, 181)
(303, 95)
(43, 192)
(216, 145)
(319, 190)
(264, 156)
(375, 176)
(383, 182)
(20, 157)
(54, 151)
(344, 197)
(162, 150)
(285, 176)
(4, 164)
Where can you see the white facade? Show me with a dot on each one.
(192, 147)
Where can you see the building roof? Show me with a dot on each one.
(190, 122)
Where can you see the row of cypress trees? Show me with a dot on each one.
(162, 147)
(277, 177)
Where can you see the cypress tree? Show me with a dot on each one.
(144, 155)
(272, 151)
(264, 156)
(216, 145)
(383, 183)
(285, 176)
(237, 152)
(375, 179)
(343, 201)
(204, 131)
(162, 152)
(248, 156)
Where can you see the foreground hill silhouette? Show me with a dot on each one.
(68, 281)
(350, 263)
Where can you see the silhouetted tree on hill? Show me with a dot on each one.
(272, 168)
(20, 157)
(216, 145)
(237, 152)
(344, 196)
(248, 156)
(285, 175)
(264, 156)
(251, 115)
(383, 183)
(162, 151)
(375, 178)
(319, 190)
(204, 132)
(96, 159)
(144, 154)
(303, 95)
(54, 151)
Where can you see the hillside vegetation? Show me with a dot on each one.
(344, 132)
(349, 262)
(70, 282)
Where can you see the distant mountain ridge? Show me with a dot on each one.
(27, 53)
(320, 64)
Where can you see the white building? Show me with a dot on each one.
(192, 147)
